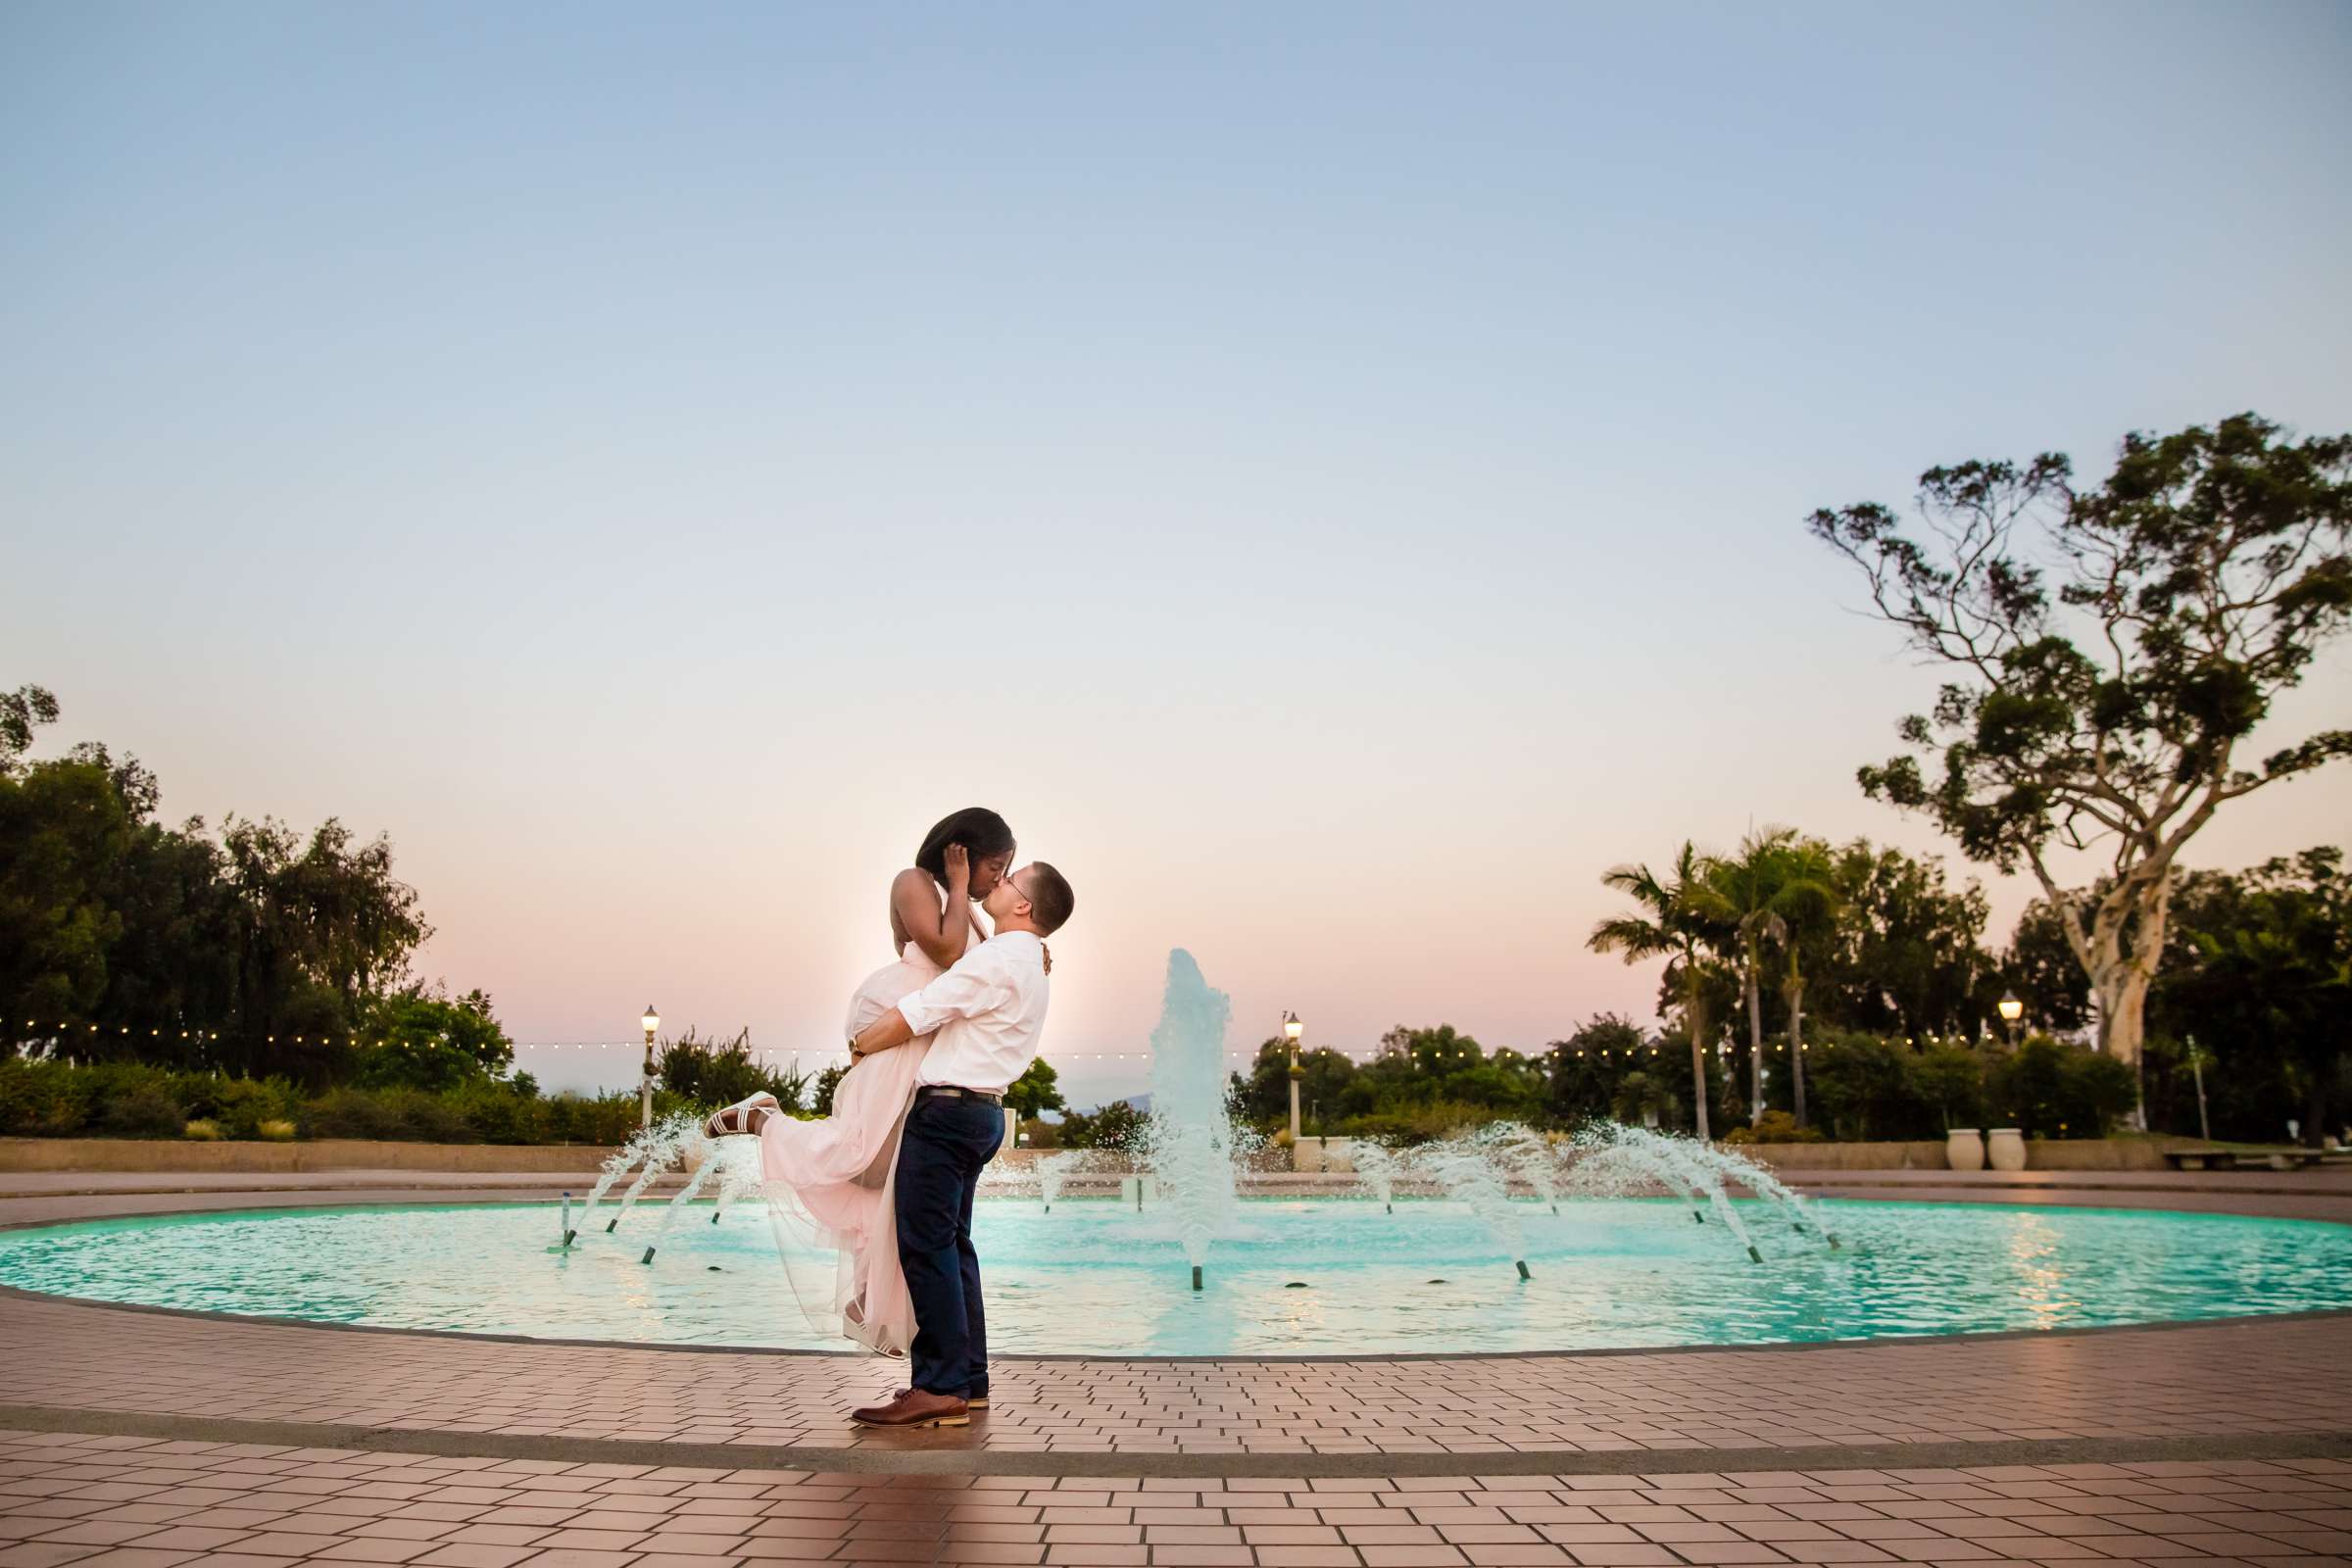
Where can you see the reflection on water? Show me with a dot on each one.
(2035, 1255)
(1097, 1278)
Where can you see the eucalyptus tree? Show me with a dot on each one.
(2108, 651)
(1673, 926)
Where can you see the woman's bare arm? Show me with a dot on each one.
(914, 899)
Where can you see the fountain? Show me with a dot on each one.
(661, 1143)
(1191, 1134)
(1378, 1167)
(711, 1156)
(1052, 1170)
(1468, 1174)
(738, 1174)
(1757, 1178)
(1615, 1158)
(1527, 1154)
(615, 1165)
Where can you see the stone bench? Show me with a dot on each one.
(2235, 1160)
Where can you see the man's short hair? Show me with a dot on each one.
(1050, 901)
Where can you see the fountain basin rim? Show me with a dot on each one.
(1761, 1346)
(427, 1200)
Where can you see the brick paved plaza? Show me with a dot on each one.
(138, 1439)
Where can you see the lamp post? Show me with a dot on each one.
(2012, 1011)
(645, 1104)
(1292, 1028)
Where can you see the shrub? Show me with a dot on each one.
(348, 1113)
(2051, 1090)
(43, 1098)
(709, 1074)
(242, 1104)
(1952, 1079)
(276, 1132)
(499, 1114)
(1867, 1088)
(1776, 1127)
(202, 1131)
(141, 1110)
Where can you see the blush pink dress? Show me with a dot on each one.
(831, 1184)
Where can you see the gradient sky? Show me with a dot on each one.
(1333, 475)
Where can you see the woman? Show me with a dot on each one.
(829, 1182)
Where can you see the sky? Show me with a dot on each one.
(1333, 475)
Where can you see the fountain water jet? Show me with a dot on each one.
(615, 1165)
(1525, 1154)
(661, 1145)
(1052, 1170)
(1191, 1139)
(1757, 1178)
(1470, 1176)
(1377, 1167)
(685, 1194)
(1615, 1157)
(739, 1175)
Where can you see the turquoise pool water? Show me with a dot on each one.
(1314, 1277)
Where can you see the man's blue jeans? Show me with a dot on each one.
(946, 1144)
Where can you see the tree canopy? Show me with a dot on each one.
(2110, 651)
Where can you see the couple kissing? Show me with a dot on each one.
(886, 1182)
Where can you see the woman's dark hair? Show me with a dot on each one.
(981, 832)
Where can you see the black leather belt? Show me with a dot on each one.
(951, 1092)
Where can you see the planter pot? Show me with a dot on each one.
(1964, 1149)
(2005, 1148)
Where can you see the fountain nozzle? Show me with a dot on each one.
(1195, 1276)
(1696, 1218)
(1753, 1256)
(1523, 1273)
(611, 1224)
(567, 1236)
(648, 1257)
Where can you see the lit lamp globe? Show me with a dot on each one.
(2012, 1011)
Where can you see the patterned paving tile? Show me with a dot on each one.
(2229, 1379)
(2270, 1512)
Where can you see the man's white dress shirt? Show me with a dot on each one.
(990, 1011)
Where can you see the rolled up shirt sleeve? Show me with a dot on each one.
(967, 991)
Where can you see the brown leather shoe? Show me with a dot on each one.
(975, 1402)
(916, 1407)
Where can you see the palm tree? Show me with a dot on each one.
(1806, 896)
(1776, 883)
(1736, 891)
(1669, 927)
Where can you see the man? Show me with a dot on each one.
(988, 1012)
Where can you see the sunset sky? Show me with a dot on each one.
(1332, 476)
